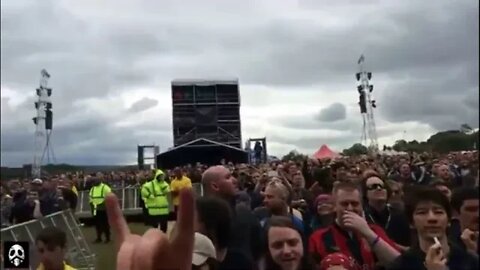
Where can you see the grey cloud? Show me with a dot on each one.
(143, 105)
(437, 103)
(311, 143)
(332, 113)
(427, 55)
(83, 143)
(471, 99)
(308, 122)
(83, 137)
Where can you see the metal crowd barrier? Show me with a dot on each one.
(128, 197)
(78, 255)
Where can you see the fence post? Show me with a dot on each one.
(135, 199)
(81, 200)
(123, 199)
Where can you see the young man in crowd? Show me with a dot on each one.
(51, 245)
(428, 210)
(463, 230)
(367, 244)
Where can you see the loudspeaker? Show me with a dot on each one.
(206, 109)
(49, 120)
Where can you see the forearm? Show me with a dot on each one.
(384, 251)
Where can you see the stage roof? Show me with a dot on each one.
(200, 150)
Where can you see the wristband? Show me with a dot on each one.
(375, 241)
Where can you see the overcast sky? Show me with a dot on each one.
(111, 64)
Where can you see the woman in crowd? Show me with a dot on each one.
(325, 214)
(284, 246)
(377, 211)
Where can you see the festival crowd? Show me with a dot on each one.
(414, 211)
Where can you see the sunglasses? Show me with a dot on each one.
(375, 187)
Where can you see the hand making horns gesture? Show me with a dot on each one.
(154, 250)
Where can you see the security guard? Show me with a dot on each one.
(143, 200)
(155, 194)
(97, 203)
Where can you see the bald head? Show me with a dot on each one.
(213, 174)
(218, 180)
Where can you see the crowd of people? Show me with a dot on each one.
(416, 211)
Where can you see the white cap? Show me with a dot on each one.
(202, 249)
(37, 181)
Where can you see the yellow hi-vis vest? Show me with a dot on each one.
(97, 196)
(155, 193)
(74, 189)
(144, 192)
(65, 267)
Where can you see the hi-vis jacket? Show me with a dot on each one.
(154, 194)
(97, 196)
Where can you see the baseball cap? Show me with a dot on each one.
(202, 249)
(37, 181)
(337, 259)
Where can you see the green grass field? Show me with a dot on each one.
(106, 254)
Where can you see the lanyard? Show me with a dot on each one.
(387, 224)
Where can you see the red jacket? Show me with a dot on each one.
(334, 239)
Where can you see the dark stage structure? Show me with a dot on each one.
(206, 123)
(201, 150)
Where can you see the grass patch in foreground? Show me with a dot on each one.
(106, 254)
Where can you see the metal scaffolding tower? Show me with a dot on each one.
(43, 125)
(367, 105)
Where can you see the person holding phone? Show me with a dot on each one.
(428, 210)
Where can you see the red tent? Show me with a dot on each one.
(325, 152)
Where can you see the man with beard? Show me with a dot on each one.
(277, 198)
(428, 211)
(246, 233)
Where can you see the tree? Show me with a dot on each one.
(355, 150)
(400, 146)
(466, 128)
(294, 155)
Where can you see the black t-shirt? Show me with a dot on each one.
(246, 234)
(454, 233)
(236, 259)
(414, 258)
(393, 221)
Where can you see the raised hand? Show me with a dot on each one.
(435, 259)
(470, 239)
(153, 250)
(352, 221)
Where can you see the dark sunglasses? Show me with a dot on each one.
(375, 186)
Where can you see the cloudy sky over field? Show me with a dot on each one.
(112, 62)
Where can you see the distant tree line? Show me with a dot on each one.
(464, 139)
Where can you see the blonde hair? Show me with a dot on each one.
(277, 183)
